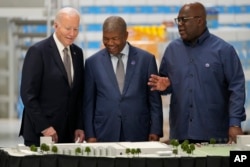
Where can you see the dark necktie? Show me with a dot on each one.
(120, 74)
(67, 64)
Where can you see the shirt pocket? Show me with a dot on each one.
(213, 71)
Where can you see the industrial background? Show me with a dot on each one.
(150, 24)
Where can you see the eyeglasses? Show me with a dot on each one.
(184, 19)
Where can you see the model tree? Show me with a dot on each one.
(175, 144)
(138, 151)
(133, 151)
(188, 148)
(44, 147)
(78, 151)
(87, 150)
(54, 149)
(212, 141)
(192, 147)
(33, 148)
(127, 151)
(184, 145)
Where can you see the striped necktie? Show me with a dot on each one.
(67, 65)
(120, 74)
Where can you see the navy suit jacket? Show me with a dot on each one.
(48, 99)
(137, 112)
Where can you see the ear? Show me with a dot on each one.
(126, 35)
(201, 21)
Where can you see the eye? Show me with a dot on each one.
(179, 20)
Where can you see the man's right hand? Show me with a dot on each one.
(91, 140)
(158, 83)
(51, 132)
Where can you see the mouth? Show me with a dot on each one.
(112, 50)
(182, 32)
(69, 38)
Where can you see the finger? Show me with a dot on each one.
(80, 139)
(152, 80)
(153, 89)
(230, 141)
(55, 138)
(153, 76)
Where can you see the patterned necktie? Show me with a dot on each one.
(67, 65)
(120, 74)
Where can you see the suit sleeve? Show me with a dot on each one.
(30, 88)
(80, 86)
(89, 101)
(155, 104)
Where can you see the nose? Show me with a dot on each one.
(110, 41)
(180, 22)
(72, 32)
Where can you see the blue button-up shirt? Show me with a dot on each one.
(207, 88)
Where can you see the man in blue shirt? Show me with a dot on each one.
(205, 78)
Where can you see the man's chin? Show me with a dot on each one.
(184, 37)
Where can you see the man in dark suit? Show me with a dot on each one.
(51, 92)
(133, 113)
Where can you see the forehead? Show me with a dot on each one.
(187, 10)
(112, 33)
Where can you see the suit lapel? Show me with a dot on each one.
(74, 63)
(108, 67)
(56, 56)
(131, 65)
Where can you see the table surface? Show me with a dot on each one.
(200, 151)
(203, 156)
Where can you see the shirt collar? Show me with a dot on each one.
(124, 51)
(58, 43)
(201, 39)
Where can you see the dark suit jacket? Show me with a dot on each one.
(48, 99)
(136, 112)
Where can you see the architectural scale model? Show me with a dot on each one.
(128, 149)
(108, 149)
